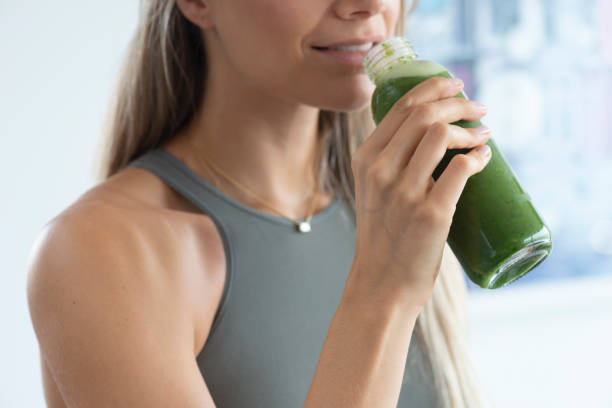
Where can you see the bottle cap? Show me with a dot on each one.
(383, 56)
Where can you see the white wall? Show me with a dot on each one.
(545, 344)
(535, 346)
(58, 62)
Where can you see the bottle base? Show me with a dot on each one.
(519, 264)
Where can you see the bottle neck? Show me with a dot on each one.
(395, 58)
(386, 57)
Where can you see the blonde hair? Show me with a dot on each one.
(158, 90)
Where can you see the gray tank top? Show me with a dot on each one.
(282, 289)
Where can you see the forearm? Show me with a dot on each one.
(364, 354)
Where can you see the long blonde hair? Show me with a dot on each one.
(158, 91)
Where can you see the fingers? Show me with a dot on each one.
(449, 186)
(432, 148)
(449, 110)
(398, 152)
(430, 90)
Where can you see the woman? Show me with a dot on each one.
(253, 240)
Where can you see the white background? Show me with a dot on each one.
(543, 344)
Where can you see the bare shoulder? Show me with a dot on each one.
(137, 215)
(126, 269)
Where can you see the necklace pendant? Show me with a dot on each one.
(304, 227)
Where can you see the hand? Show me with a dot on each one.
(403, 216)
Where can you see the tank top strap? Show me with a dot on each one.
(182, 179)
(187, 183)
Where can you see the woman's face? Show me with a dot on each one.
(274, 45)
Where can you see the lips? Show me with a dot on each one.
(356, 41)
(349, 48)
(351, 51)
(353, 58)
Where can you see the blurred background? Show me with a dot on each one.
(544, 69)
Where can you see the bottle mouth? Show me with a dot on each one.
(380, 58)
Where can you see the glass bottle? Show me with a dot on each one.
(496, 233)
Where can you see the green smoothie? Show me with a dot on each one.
(496, 233)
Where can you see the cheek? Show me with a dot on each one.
(279, 16)
(264, 37)
(275, 26)
(265, 42)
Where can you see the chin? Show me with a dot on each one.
(352, 95)
(347, 94)
(344, 99)
(346, 107)
(341, 103)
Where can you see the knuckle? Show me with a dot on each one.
(378, 174)
(439, 132)
(431, 214)
(463, 163)
(408, 196)
(406, 104)
(463, 104)
(441, 83)
(424, 112)
(471, 106)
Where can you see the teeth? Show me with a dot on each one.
(362, 47)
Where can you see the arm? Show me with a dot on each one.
(110, 332)
(363, 358)
(403, 217)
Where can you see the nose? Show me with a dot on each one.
(355, 9)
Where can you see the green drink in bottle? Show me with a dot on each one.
(496, 233)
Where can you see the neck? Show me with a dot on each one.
(262, 142)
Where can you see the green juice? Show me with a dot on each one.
(496, 233)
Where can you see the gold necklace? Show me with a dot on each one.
(301, 226)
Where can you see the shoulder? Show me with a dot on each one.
(108, 238)
(139, 211)
(98, 286)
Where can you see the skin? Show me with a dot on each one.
(276, 91)
(144, 232)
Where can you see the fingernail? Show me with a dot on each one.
(480, 106)
(457, 82)
(485, 150)
(483, 129)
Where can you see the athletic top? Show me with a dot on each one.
(281, 291)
